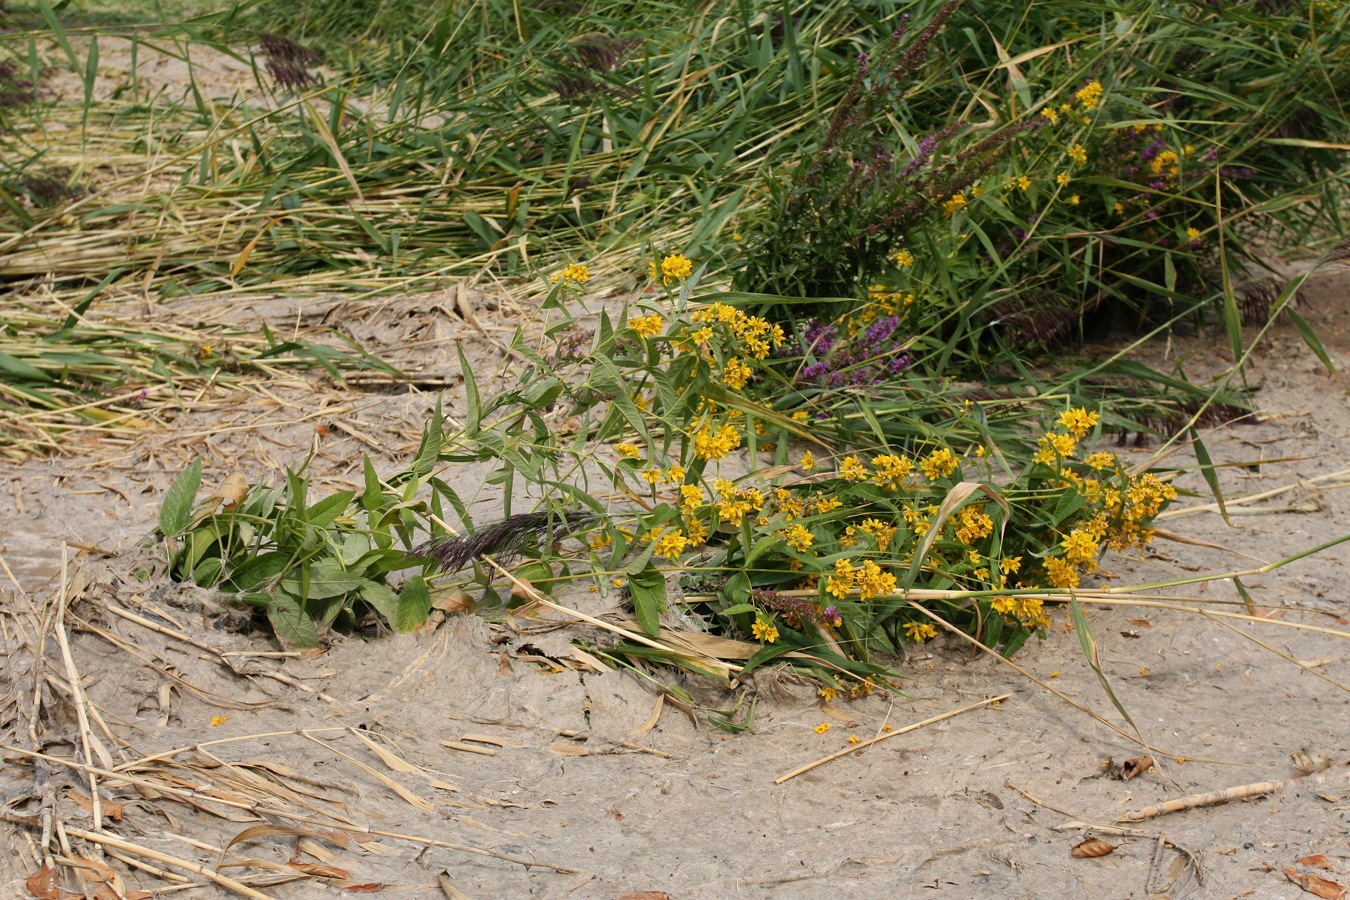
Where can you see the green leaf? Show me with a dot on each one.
(327, 578)
(648, 589)
(737, 609)
(175, 515)
(414, 604)
(1211, 476)
(1310, 338)
(473, 414)
(322, 514)
(293, 627)
(383, 599)
(1089, 645)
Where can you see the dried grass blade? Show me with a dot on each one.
(853, 748)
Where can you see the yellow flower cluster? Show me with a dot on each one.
(670, 545)
(1051, 116)
(627, 451)
(1030, 611)
(891, 470)
(798, 537)
(709, 444)
(1090, 95)
(852, 469)
(735, 374)
(972, 524)
(920, 631)
(755, 332)
(938, 464)
(1080, 549)
(764, 630)
(1078, 421)
(1078, 153)
(1052, 448)
(733, 503)
(953, 204)
(903, 259)
(575, 273)
(674, 267)
(647, 326)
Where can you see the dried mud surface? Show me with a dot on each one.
(971, 806)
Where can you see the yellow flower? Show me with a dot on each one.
(1079, 547)
(1090, 95)
(1102, 459)
(852, 469)
(627, 451)
(973, 524)
(1051, 116)
(575, 273)
(601, 540)
(1078, 153)
(808, 462)
(841, 582)
(822, 728)
(715, 445)
(827, 693)
(674, 475)
(1059, 573)
(671, 545)
(920, 632)
(219, 720)
(1063, 178)
(1193, 235)
(825, 504)
(953, 204)
(938, 464)
(1079, 421)
(1010, 564)
(1054, 447)
(1073, 200)
(1023, 183)
(702, 335)
(653, 476)
(677, 266)
(735, 374)
(904, 259)
(880, 531)
(873, 582)
(647, 326)
(691, 497)
(764, 630)
(891, 470)
(798, 538)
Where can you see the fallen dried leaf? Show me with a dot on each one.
(1318, 861)
(319, 871)
(42, 884)
(645, 895)
(369, 887)
(1316, 885)
(1133, 768)
(111, 810)
(1142, 623)
(1092, 848)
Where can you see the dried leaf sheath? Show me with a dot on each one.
(502, 539)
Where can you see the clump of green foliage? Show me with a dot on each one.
(670, 411)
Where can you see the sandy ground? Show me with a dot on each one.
(580, 779)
